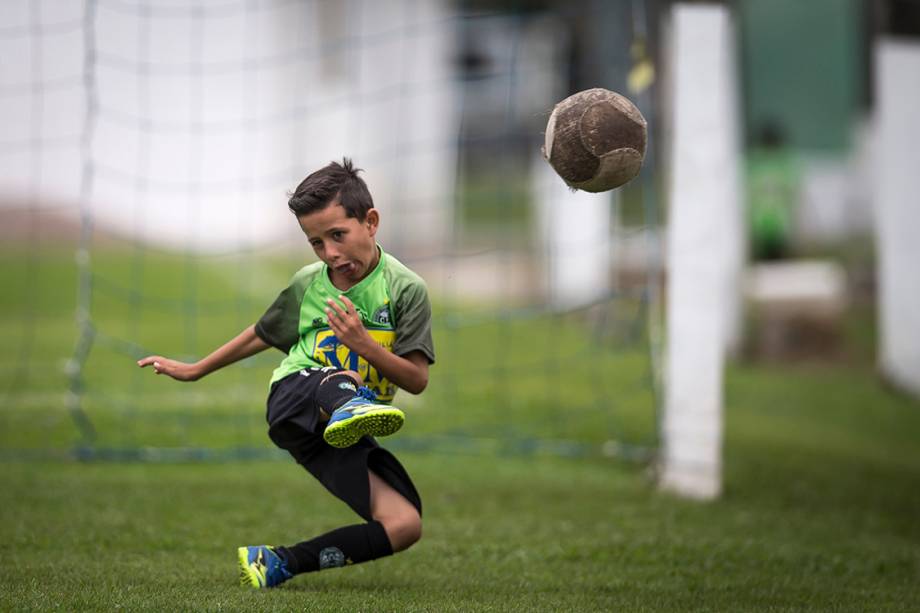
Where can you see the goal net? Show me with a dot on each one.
(148, 149)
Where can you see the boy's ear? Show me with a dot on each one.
(372, 220)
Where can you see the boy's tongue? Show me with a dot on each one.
(345, 269)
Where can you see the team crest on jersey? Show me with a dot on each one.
(382, 316)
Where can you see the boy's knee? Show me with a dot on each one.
(404, 529)
(336, 389)
(350, 373)
(411, 528)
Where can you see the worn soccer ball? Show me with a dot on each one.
(595, 140)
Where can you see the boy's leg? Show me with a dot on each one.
(336, 389)
(353, 411)
(401, 520)
(395, 526)
(387, 499)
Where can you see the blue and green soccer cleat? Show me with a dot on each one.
(362, 416)
(261, 567)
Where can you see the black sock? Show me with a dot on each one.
(348, 545)
(335, 391)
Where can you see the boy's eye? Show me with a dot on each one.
(337, 235)
(316, 244)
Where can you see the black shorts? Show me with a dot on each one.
(295, 424)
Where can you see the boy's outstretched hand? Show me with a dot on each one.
(180, 371)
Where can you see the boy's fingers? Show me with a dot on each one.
(349, 305)
(335, 305)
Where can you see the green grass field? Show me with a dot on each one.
(820, 510)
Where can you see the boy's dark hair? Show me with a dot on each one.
(334, 182)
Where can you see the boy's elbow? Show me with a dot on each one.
(419, 385)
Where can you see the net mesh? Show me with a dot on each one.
(148, 149)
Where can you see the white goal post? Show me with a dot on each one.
(704, 245)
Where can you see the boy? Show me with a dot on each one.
(355, 325)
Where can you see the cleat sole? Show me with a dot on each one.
(347, 432)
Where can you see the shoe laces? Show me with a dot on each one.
(367, 393)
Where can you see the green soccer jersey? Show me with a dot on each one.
(392, 302)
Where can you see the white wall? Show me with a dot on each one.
(41, 101)
(576, 236)
(206, 119)
(898, 210)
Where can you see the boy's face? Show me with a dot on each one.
(345, 244)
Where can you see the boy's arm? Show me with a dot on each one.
(409, 372)
(247, 343)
